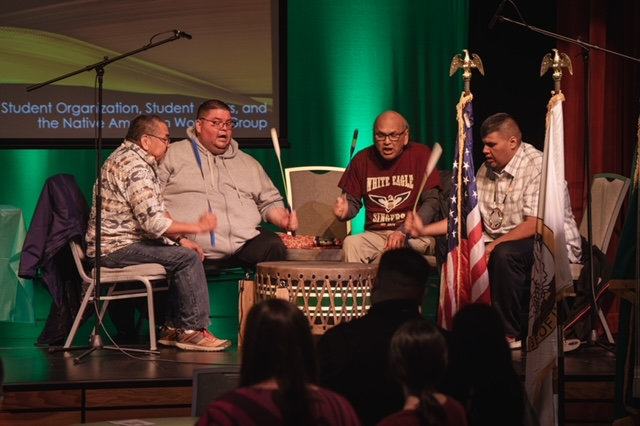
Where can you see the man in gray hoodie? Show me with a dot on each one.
(207, 171)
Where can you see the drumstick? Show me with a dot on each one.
(436, 152)
(354, 142)
(276, 148)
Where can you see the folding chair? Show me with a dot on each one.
(607, 194)
(110, 278)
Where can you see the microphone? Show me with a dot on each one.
(182, 34)
(496, 15)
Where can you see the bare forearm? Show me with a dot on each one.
(207, 223)
(181, 228)
(417, 228)
(435, 229)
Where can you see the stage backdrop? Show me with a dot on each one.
(348, 62)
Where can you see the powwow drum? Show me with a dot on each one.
(327, 292)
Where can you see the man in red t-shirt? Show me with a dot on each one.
(386, 178)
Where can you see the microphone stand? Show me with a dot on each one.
(586, 49)
(96, 338)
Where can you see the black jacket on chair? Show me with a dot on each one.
(61, 215)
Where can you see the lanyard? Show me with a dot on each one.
(194, 145)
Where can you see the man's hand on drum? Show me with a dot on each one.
(416, 228)
(292, 224)
(413, 224)
(284, 219)
(341, 207)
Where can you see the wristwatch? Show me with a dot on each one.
(180, 238)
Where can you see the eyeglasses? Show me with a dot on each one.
(165, 140)
(220, 124)
(393, 137)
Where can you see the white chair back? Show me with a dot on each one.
(607, 194)
(312, 191)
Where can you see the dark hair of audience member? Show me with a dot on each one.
(402, 274)
(278, 345)
(491, 390)
(418, 360)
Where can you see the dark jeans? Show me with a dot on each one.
(188, 289)
(510, 280)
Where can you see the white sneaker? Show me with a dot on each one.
(569, 345)
(513, 343)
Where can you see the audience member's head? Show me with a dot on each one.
(479, 330)
(418, 360)
(278, 346)
(481, 358)
(402, 274)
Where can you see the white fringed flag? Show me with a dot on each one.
(550, 274)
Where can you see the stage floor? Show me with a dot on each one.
(29, 367)
(143, 386)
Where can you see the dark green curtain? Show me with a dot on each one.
(24, 172)
(351, 60)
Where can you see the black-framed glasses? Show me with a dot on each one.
(165, 140)
(217, 124)
(393, 137)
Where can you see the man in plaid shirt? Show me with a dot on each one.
(508, 187)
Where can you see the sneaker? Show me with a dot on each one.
(167, 336)
(514, 343)
(570, 344)
(201, 340)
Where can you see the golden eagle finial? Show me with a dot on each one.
(466, 64)
(557, 61)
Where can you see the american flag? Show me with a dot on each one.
(465, 278)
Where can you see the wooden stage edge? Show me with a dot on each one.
(49, 388)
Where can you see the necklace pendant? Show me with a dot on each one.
(495, 218)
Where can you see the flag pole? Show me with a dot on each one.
(463, 123)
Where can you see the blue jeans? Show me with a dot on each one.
(188, 284)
